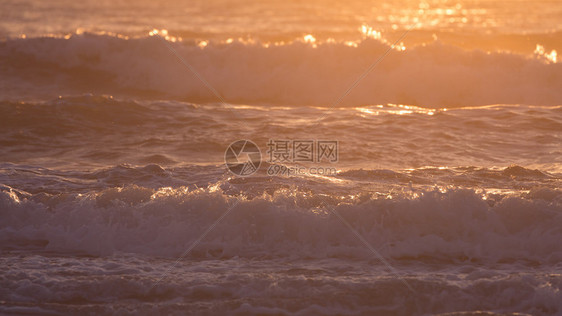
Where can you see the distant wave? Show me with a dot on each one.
(295, 73)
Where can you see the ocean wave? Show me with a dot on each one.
(99, 131)
(294, 73)
(450, 225)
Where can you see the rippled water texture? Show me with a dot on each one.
(445, 197)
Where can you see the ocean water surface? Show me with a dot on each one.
(439, 192)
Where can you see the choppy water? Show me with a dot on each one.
(445, 198)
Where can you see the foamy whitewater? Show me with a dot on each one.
(445, 200)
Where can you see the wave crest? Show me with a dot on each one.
(453, 225)
(435, 75)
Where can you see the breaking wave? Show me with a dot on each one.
(451, 225)
(293, 73)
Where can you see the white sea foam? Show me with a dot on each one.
(456, 225)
